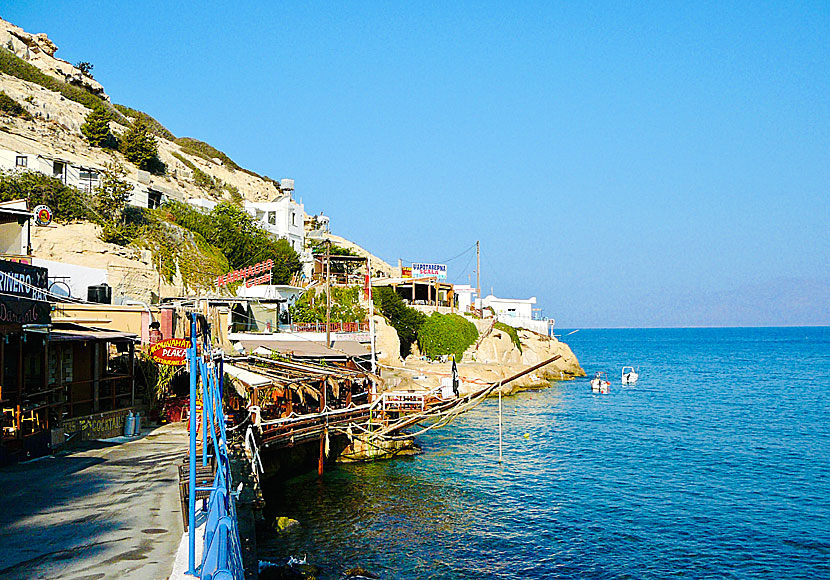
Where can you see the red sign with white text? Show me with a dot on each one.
(171, 352)
(244, 273)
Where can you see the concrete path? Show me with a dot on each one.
(109, 510)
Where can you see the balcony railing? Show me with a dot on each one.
(362, 326)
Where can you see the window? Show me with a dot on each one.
(89, 174)
(153, 199)
(293, 219)
(21, 161)
(59, 170)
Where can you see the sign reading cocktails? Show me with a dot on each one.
(172, 352)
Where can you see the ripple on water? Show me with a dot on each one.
(715, 466)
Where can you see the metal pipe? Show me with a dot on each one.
(191, 528)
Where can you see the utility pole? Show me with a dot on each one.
(328, 294)
(322, 459)
(371, 311)
(478, 279)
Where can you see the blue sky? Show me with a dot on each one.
(648, 165)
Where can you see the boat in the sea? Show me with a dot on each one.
(600, 383)
(629, 376)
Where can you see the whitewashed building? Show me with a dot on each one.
(518, 313)
(464, 296)
(75, 173)
(282, 216)
(15, 229)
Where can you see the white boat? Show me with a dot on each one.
(629, 376)
(600, 383)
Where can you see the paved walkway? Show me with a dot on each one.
(110, 510)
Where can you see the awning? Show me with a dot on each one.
(64, 332)
(341, 349)
(252, 380)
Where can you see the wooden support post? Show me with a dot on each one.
(323, 434)
(45, 371)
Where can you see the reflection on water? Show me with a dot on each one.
(716, 464)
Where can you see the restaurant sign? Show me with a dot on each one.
(244, 274)
(171, 352)
(23, 294)
(429, 271)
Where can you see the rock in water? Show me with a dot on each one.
(282, 523)
(359, 572)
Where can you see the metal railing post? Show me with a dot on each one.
(191, 529)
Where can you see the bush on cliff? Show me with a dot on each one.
(11, 65)
(67, 203)
(139, 145)
(406, 321)
(237, 235)
(446, 334)
(514, 335)
(96, 128)
(345, 305)
(11, 107)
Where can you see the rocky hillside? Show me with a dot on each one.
(58, 96)
(60, 109)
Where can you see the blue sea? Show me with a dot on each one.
(715, 465)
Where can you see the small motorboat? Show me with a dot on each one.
(629, 376)
(600, 383)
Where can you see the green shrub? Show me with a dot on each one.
(233, 192)
(110, 199)
(514, 336)
(188, 163)
(236, 234)
(406, 321)
(11, 107)
(345, 305)
(203, 180)
(67, 203)
(96, 128)
(16, 67)
(153, 125)
(201, 149)
(139, 145)
(446, 334)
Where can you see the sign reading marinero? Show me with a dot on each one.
(172, 352)
(23, 294)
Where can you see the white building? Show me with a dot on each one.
(283, 216)
(203, 203)
(81, 176)
(517, 313)
(71, 173)
(15, 228)
(464, 296)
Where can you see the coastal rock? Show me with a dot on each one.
(283, 523)
(387, 343)
(359, 572)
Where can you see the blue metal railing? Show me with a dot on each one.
(222, 551)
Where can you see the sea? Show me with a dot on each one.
(716, 464)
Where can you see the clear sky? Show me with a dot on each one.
(632, 164)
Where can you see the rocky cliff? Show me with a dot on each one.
(495, 357)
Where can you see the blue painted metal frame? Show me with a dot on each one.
(222, 550)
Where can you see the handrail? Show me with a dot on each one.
(222, 552)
